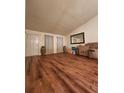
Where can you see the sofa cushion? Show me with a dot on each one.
(93, 45)
(83, 50)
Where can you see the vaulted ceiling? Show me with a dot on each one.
(58, 16)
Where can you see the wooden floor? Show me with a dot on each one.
(61, 73)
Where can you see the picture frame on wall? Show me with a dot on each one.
(77, 38)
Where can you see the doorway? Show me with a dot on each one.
(59, 44)
(49, 44)
(32, 44)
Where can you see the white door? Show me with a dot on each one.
(32, 44)
(59, 44)
(49, 44)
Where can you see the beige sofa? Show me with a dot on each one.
(89, 49)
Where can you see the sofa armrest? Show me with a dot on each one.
(93, 53)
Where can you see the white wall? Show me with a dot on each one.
(42, 39)
(90, 30)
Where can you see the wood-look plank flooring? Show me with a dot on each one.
(61, 73)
